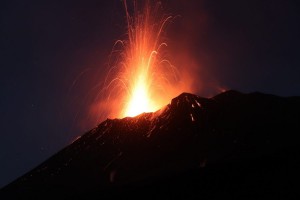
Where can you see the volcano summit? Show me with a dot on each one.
(231, 145)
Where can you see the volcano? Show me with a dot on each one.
(232, 145)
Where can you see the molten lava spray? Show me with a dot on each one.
(145, 79)
(143, 59)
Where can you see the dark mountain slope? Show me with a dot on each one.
(231, 145)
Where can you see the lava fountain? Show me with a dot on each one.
(143, 77)
(143, 58)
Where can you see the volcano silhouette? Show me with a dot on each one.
(232, 145)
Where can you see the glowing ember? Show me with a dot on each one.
(143, 77)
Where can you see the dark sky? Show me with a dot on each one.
(54, 54)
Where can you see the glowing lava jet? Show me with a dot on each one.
(144, 74)
(143, 59)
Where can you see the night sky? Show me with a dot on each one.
(54, 56)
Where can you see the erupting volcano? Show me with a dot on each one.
(233, 145)
(141, 75)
